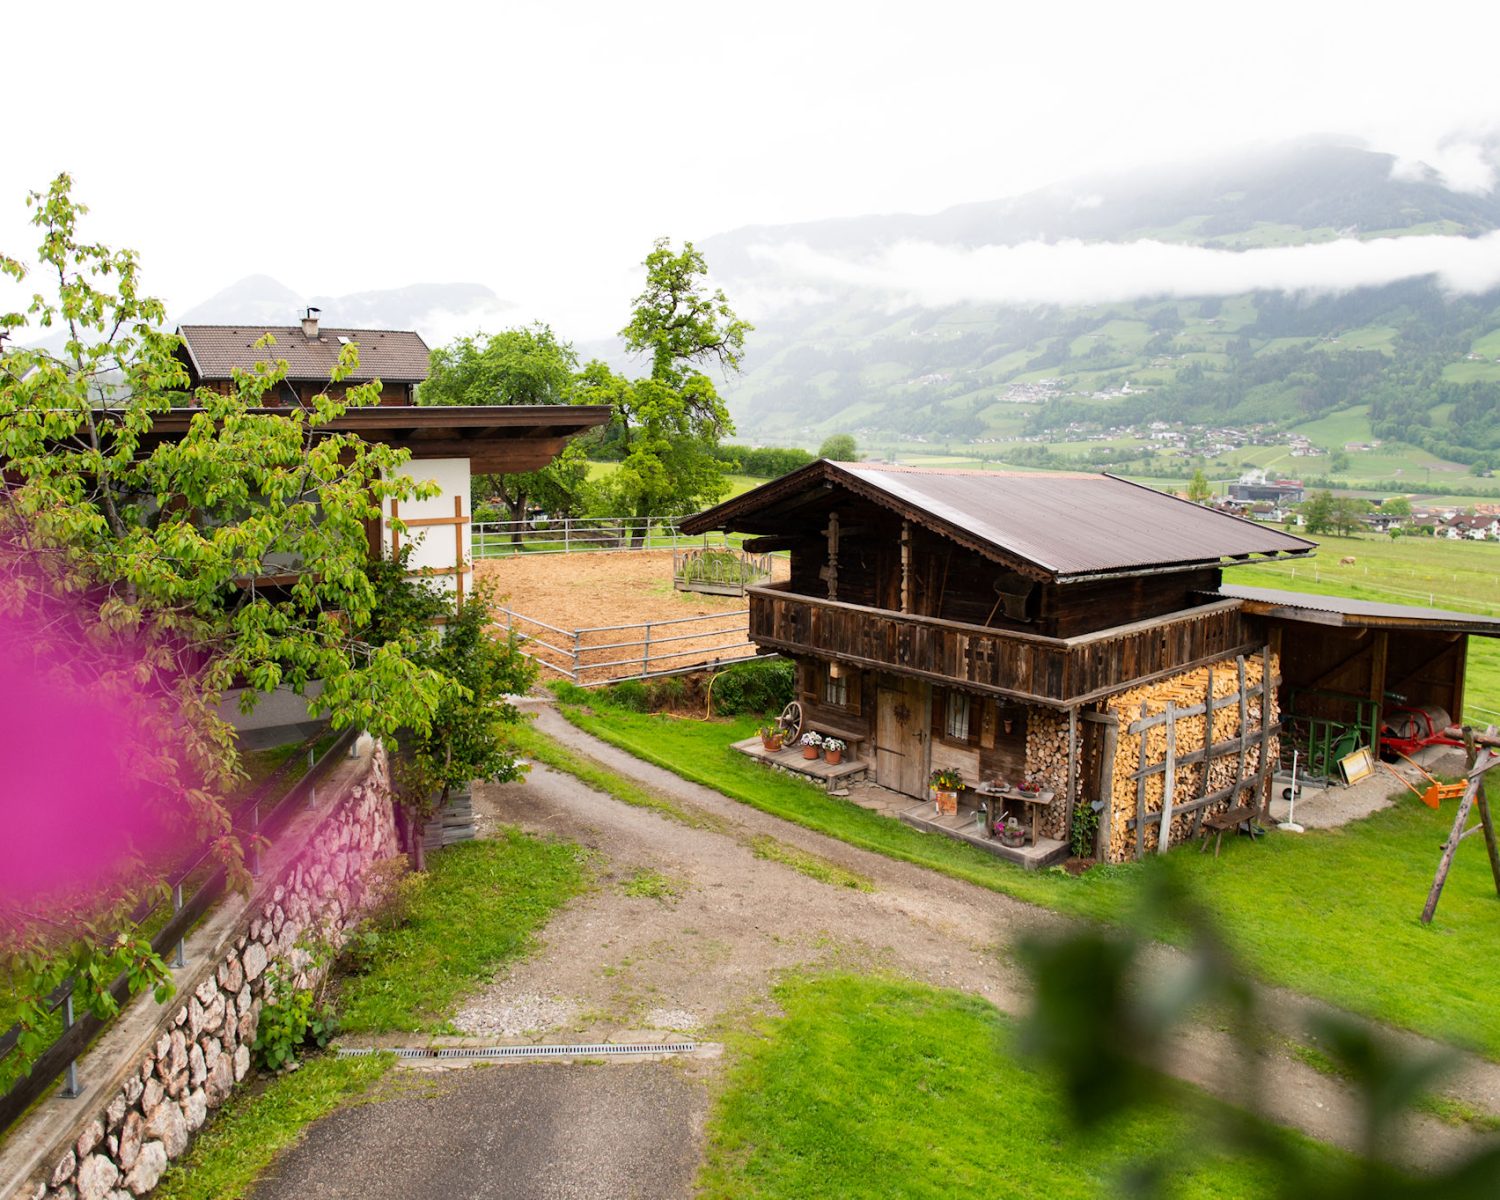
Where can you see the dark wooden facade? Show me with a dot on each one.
(929, 629)
(1005, 663)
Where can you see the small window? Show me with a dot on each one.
(836, 690)
(956, 717)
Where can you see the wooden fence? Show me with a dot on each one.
(608, 653)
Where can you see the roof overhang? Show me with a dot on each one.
(768, 511)
(1347, 613)
(496, 439)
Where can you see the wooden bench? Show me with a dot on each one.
(1221, 823)
(851, 739)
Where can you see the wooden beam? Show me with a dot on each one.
(1169, 783)
(1104, 834)
(906, 566)
(1140, 799)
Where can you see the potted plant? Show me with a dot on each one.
(1030, 787)
(833, 750)
(1011, 832)
(812, 744)
(771, 737)
(946, 783)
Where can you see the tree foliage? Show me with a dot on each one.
(1199, 490)
(670, 422)
(157, 549)
(839, 447)
(514, 366)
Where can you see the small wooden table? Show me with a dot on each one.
(1036, 800)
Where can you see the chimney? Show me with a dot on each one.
(310, 324)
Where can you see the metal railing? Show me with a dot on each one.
(719, 570)
(565, 535)
(192, 894)
(604, 654)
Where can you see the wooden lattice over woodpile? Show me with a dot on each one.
(1159, 752)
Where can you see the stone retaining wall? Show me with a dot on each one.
(201, 1045)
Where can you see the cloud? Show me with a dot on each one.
(1075, 272)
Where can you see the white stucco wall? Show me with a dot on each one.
(433, 545)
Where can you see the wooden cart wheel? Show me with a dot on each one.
(791, 723)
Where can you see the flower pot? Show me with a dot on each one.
(809, 752)
(833, 757)
(945, 802)
(770, 745)
(1013, 840)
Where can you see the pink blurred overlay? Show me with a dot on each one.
(73, 812)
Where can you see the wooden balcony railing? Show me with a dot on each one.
(1056, 671)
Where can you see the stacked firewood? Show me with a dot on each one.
(1047, 763)
(1188, 690)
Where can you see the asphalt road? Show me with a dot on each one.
(525, 1131)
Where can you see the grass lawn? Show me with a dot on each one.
(1424, 572)
(878, 1087)
(481, 905)
(1332, 914)
(256, 1124)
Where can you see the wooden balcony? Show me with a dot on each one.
(1059, 672)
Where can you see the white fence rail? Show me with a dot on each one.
(495, 539)
(609, 653)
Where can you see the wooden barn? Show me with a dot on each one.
(1066, 629)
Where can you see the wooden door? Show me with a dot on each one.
(902, 715)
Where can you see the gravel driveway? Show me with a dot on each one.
(687, 931)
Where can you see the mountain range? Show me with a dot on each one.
(1271, 287)
(1267, 287)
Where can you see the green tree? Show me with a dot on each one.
(153, 547)
(1397, 506)
(1199, 490)
(466, 738)
(1347, 513)
(1317, 512)
(515, 366)
(840, 447)
(671, 421)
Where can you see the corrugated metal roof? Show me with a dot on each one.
(1074, 523)
(1360, 611)
(390, 355)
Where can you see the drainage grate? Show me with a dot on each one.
(591, 1050)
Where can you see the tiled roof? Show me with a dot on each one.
(390, 355)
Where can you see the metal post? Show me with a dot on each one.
(646, 651)
(577, 659)
(312, 792)
(254, 842)
(181, 957)
(567, 534)
(70, 1084)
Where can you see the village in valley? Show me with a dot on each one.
(996, 700)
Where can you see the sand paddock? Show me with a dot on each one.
(580, 595)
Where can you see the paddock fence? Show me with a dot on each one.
(497, 539)
(642, 650)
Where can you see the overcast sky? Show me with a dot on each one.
(539, 148)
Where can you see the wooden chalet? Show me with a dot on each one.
(1067, 628)
(448, 445)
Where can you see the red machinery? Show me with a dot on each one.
(1406, 730)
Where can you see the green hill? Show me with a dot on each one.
(1422, 367)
